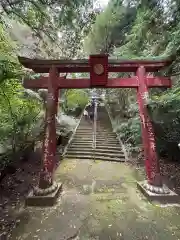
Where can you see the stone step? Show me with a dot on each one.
(104, 141)
(103, 147)
(97, 129)
(87, 124)
(97, 124)
(84, 129)
(89, 136)
(98, 143)
(103, 151)
(104, 127)
(106, 138)
(90, 157)
(82, 143)
(98, 148)
(100, 134)
(97, 138)
(108, 145)
(103, 123)
(100, 123)
(96, 153)
(97, 132)
(90, 129)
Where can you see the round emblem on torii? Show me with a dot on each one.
(98, 69)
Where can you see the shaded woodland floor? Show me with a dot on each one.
(14, 188)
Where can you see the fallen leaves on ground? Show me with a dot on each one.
(14, 188)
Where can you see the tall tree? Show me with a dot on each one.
(110, 28)
(50, 19)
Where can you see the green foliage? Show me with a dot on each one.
(18, 114)
(129, 132)
(164, 110)
(76, 29)
(109, 28)
(129, 128)
(43, 17)
(75, 101)
(152, 31)
(53, 29)
(127, 29)
(9, 67)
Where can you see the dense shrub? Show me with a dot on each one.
(75, 101)
(65, 124)
(164, 110)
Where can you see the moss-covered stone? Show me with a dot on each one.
(101, 201)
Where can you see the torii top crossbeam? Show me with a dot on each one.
(98, 66)
(83, 65)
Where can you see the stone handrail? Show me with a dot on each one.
(94, 129)
(95, 125)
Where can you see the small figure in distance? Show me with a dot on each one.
(86, 115)
(91, 115)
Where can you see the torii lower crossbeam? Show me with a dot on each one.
(132, 82)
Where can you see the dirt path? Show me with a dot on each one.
(99, 201)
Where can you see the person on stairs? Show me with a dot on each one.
(91, 115)
(91, 110)
(86, 115)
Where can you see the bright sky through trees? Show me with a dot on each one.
(103, 2)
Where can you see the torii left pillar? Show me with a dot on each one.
(47, 191)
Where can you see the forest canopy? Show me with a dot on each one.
(36, 29)
(142, 29)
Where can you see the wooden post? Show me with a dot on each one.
(49, 145)
(151, 160)
(56, 111)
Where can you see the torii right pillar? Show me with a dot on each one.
(153, 187)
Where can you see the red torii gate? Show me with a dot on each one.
(98, 66)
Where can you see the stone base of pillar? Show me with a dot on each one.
(162, 194)
(44, 197)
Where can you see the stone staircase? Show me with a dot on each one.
(107, 145)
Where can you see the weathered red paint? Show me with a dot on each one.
(133, 82)
(49, 145)
(85, 83)
(151, 160)
(95, 61)
(79, 66)
(154, 82)
(28, 62)
(86, 69)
